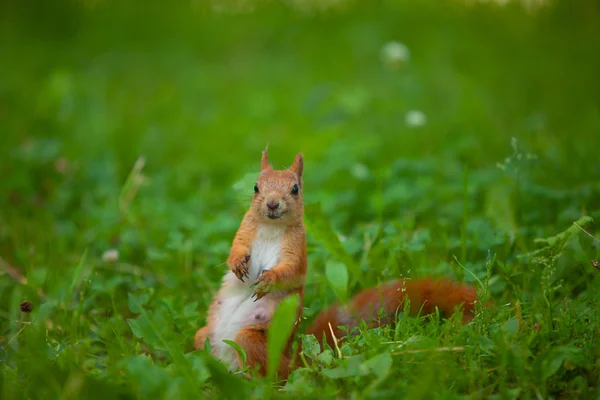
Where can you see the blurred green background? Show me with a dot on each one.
(433, 128)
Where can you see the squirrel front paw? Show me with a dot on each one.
(264, 285)
(239, 265)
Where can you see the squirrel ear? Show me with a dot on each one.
(298, 165)
(264, 164)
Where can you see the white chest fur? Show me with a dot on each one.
(266, 249)
(238, 308)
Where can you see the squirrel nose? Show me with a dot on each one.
(272, 204)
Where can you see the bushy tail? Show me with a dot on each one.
(424, 296)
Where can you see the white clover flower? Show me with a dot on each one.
(415, 118)
(360, 171)
(111, 255)
(394, 54)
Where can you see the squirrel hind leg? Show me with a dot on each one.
(254, 343)
(253, 340)
(200, 337)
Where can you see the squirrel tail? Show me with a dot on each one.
(424, 296)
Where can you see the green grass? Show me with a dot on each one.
(138, 128)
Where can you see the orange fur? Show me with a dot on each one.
(424, 296)
(277, 206)
(254, 343)
(269, 286)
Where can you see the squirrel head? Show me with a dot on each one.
(278, 193)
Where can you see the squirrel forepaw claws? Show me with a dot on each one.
(262, 286)
(240, 266)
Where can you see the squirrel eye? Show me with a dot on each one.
(255, 188)
(295, 189)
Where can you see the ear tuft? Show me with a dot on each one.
(298, 165)
(264, 164)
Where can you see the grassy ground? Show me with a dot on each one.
(131, 136)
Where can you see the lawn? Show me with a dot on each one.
(450, 139)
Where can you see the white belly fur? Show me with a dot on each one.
(238, 308)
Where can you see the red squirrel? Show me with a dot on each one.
(268, 262)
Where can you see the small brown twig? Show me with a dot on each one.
(13, 272)
(132, 185)
(586, 232)
(335, 341)
(25, 325)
